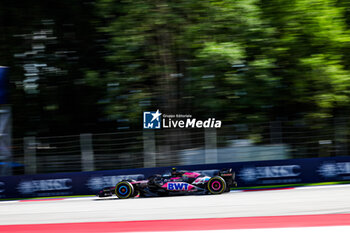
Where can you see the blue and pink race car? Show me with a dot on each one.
(173, 183)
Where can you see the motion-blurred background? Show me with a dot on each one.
(276, 72)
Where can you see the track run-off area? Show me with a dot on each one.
(313, 209)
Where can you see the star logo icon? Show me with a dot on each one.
(156, 115)
(152, 120)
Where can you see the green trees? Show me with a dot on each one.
(310, 44)
(206, 58)
(240, 61)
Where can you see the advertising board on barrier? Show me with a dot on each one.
(332, 169)
(96, 183)
(52, 187)
(271, 174)
(4, 85)
(247, 174)
(2, 189)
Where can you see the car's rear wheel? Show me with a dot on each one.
(216, 185)
(124, 189)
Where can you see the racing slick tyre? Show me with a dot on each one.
(216, 185)
(124, 190)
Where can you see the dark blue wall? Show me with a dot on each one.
(4, 85)
(247, 173)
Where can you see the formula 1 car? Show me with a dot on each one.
(174, 183)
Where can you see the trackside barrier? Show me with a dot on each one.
(272, 172)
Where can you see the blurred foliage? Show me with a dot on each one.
(206, 58)
(48, 45)
(238, 61)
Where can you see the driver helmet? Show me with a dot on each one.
(173, 171)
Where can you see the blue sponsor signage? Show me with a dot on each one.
(4, 85)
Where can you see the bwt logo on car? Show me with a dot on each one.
(177, 186)
(254, 173)
(28, 187)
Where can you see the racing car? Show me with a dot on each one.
(175, 183)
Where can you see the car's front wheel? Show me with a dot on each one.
(124, 189)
